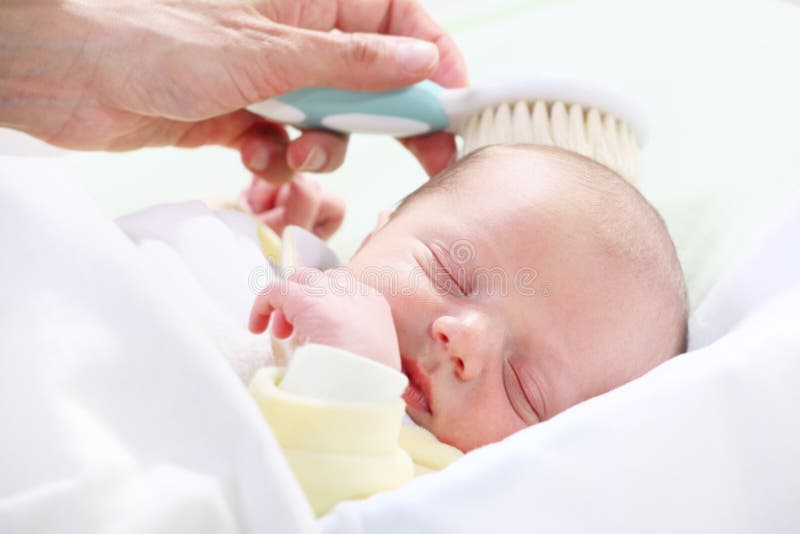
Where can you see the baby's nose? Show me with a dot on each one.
(465, 341)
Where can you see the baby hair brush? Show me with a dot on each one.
(546, 109)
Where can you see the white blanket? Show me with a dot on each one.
(120, 414)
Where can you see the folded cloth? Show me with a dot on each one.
(338, 418)
(210, 263)
(118, 410)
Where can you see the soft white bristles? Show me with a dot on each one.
(596, 135)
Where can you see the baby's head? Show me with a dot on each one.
(523, 280)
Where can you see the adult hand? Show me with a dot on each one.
(121, 75)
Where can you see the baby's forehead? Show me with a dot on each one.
(512, 174)
(519, 187)
(519, 192)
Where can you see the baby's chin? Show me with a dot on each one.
(464, 440)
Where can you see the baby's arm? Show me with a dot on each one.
(350, 446)
(331, 308)
(336, 415)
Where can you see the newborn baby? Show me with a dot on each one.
(517, 283)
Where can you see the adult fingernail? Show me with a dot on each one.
(314, 161)
(417, 56)
(259, 160)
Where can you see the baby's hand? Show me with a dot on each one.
(330, 308)
(300, 202)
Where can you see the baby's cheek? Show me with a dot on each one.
(483, 417)
(406, 316)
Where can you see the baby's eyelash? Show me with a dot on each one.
(433, 270)
(529, 409)
(441, 259)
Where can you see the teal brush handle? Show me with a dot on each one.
(412, 110)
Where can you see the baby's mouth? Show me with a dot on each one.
(417, 393)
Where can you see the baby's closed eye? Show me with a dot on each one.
(521, 393)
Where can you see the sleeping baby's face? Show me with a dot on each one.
(522, 281)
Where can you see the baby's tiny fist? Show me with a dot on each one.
(330, 308)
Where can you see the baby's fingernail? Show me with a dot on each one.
(259, 160)
(314, 161)
(417, 56)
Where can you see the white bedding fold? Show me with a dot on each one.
(118, 413)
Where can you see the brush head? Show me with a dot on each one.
(554, 111)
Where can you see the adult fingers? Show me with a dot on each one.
(316, 151)
(434, 151)
(407, 18)
(268, 153)
(263, 151)
(360, 61)
(261, 143)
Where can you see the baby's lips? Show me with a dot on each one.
(415, 399)
(418, 392)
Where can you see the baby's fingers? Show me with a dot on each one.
(261, 195)
(281, 328)
(259, 315)
(297, 203)
(330, 215)
(303, 202)
(286, 296)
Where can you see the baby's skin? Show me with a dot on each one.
(519, 282)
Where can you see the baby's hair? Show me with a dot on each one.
(634, 231)
(446, 181)
(624, 224)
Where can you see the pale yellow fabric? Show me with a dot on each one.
(337, 450)
(346, 450)
(315, 425)
(427, 452)
(270, 241)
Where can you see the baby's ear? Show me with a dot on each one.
(383, 218)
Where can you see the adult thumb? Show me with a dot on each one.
(358, 61)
